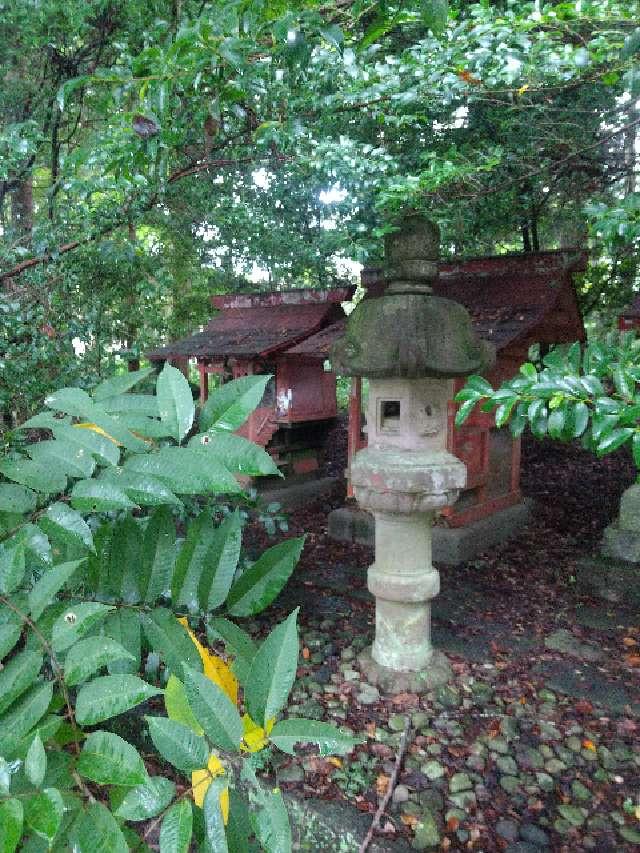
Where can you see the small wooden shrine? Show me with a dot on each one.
(257, 334)
(629, 319)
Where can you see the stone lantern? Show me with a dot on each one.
(410, 344)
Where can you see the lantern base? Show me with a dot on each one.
(436, 673)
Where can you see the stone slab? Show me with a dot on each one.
(620, 544)
(293, 494)
(612, 580)
(451, 545)
(585, 681)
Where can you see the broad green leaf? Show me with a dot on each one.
(213, 709)
(273, 672)
(614, 440)
(123, 626)
(103, 449)
(159, 555)
(175, 401)
(98, 563)
(178, 744)
(191, 560)
(238, 454)
(635, 447)
(258, 586)
(580, 419)
(16, 498)
(24, 715)
(10, 630)
(237, 643)
(144, 426)
(125, 558)
(177, 706)
(49, 585)
(228, 407)
(99, 496)
(176, 829)
(71, 401)
(98, 832)
(434, 14)
(113, 429)
(34, 541)
(185, 471)
(220, 567)
(43, 813)
(271, 822)
(147, 800)
(170, 640)
(75, 461)
(11, 819)
(77, 620)
(286, 734)
(64, 524)
(45, 478)
(118, 385)
(138, 404)
(239, 824)
(109, 760)
(35, 764)
(17, 675)
(144, 489)
(110, 695)
(12, 568)
(631, 44)
(213, 820)
(89, 655)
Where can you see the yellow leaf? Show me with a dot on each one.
(589, 744)
(200, 781)
(335, 761)
(178, 709)
(523, 89)
(637, 813)
(255, 737)
(99, 430)
(214, 667)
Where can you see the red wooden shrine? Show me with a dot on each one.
(255, 334)
(629, 319)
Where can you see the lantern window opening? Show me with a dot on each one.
(389, 414)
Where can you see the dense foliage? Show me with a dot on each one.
(589, 392)
(153, 152)
(93, 576)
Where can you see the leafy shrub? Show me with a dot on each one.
(94, 576)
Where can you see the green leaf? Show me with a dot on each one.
(213, 820)
(556, 423)
(49, 585)
(99, 496)
(193, 556)
(176, 829)
(98, 832)
(213, 709)
(43, 813)
(465, 410)
(109, 760)
(170, 640)
(159, 555)
(144, 489)
(435, 14)
(136, 404)
(631, 45)
(11, 818)
(288, 733)
(89, 655)
(71, 401)
(34, 475)
(147, 800)
(103, 449)
(237, 454)
(24, 715)
(17, 675)
(16, 498)
(185, 470)
(615, 439)
(12, 567)
(125, 557)
(239, 824)
(110, 695)
(64, 524)
(118, 385)
(635, 447)
(178, 708)
(258, 586)
(580, 419)
(237, 643)
(175, 401)
(10, 630)
(178, 744)
(271, 823)
(124, 627)
(273, 671)
(229, 407)
(35, 764)
(76, 622)
(74, 461)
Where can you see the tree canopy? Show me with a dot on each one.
(155, 151)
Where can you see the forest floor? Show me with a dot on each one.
(534, 743)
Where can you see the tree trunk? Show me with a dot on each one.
(526, 237)
(22, 207)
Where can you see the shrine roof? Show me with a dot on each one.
(253, 325)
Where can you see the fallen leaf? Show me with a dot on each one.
(583, 706)
(629, 641)
(589, 744)
(306, 654)
(632, 660)
(453, 823)
(382, 784)
(335, 761)
(409, 820)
